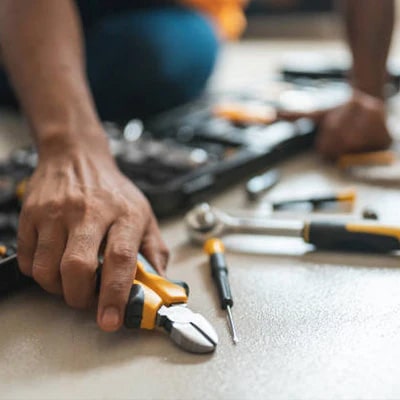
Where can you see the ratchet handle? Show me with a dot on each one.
(352, 237)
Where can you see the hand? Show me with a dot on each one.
(356, 126)
(78, 205)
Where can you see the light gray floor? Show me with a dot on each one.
(312, 325)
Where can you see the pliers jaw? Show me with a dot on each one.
(189, 330)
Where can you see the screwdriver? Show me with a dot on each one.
(219, 271)
(341, 196)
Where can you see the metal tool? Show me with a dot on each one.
(348, 195)
(154, 302)
(261, 183)
(205, 222)
(219, 271)
(157, 302)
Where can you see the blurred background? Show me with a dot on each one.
(291, 18)
(294, 18)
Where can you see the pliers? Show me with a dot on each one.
(154, 302)
(157, 302)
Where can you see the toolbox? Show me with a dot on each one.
(185, 155)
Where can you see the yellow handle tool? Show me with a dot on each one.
(219, 271)
(149, 292)
(156, 302)
(348, 195)
(365, 237)
(246, 113)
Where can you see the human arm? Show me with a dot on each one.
(77, 201)
(360, 124)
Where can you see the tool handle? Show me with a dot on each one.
(345, 195)
(219, 272)
(148, 293)
(11, 278)
(142, 307)
(353, 237)
(261, 184)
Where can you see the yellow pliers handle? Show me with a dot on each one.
(149, 292)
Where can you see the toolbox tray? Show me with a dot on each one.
(159, 161)
(235, 152)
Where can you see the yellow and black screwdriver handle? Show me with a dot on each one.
(149, 292)
(362, 237)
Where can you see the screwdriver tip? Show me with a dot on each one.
(232, 326)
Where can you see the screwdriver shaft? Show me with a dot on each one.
(232, 325)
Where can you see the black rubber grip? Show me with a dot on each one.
(11, 278)
(336, 236)
(134, 307)
(315, 201)
(219, 272)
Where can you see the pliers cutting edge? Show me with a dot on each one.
(157, 302)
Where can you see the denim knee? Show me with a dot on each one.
(146, 61)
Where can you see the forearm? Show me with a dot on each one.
(369, 25)
(42, 51)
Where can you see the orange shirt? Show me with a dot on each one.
(228, 14)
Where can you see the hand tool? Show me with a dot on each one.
(154, 302)
(385, 157)
(157, 302)
(204, 222)
(316, 201)
(219, 272)
(246, 114)
(261, 183)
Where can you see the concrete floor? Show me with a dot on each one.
(312, 324)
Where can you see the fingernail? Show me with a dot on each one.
(110, 318)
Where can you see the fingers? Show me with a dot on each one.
(46, 262)
(26, 243)
(154, 249)
(337, 132)
(79, 264)
(118, 272)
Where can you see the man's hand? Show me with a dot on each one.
(359, 125)
(77, 206)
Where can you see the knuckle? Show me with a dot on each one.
(44, 276)
(121, 255)
(29, 209)
(53, 206)
(77, 264)
(133, 214)
(78, 204)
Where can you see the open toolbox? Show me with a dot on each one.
(183, 156)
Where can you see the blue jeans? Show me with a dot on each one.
(141, 60)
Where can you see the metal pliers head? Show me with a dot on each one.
(189, 330)
(156, 302)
